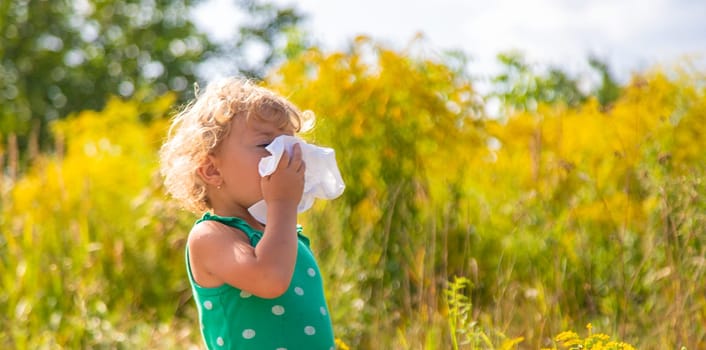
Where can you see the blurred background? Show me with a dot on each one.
(520, 175)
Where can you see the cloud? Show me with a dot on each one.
(629, 34)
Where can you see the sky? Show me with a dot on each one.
(630, 35)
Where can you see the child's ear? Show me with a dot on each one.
(209, 173)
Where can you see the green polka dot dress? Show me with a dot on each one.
(234, 319)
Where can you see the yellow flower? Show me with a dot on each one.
(340, 344)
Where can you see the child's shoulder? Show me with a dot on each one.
(209, 232)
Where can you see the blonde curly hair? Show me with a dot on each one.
(199, 128)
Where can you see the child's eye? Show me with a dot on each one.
(263, 145)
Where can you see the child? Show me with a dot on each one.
(256, 286)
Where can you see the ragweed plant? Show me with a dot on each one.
(465, 332)
(570, 340)
(459, 318)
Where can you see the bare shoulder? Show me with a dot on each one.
(209, 234)
(213, 248)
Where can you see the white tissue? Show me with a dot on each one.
(321, 176)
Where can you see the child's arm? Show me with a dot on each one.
(218, 256)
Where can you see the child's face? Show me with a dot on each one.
(239, 155)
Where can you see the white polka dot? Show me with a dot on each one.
(309, 330)
(249, 333)
(323, 310)
(208, 305)
(278, 310)
(311, 272)
(298, 291)
(281, 348)
(244, 294)
(219, 341)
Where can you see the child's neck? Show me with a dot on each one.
(240, 213)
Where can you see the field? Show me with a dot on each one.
(456, 230)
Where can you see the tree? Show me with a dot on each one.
(60, 57)
(520, 88)
(269, 37)
(609, 90)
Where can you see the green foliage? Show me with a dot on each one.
(60, 57)
(609, 90)
(272, 29)
(520, 88)
(466, 333)
(459, 311)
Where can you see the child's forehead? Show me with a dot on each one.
(261, 126)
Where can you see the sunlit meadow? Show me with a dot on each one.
(557, 227)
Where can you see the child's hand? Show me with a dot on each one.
(286, 184)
